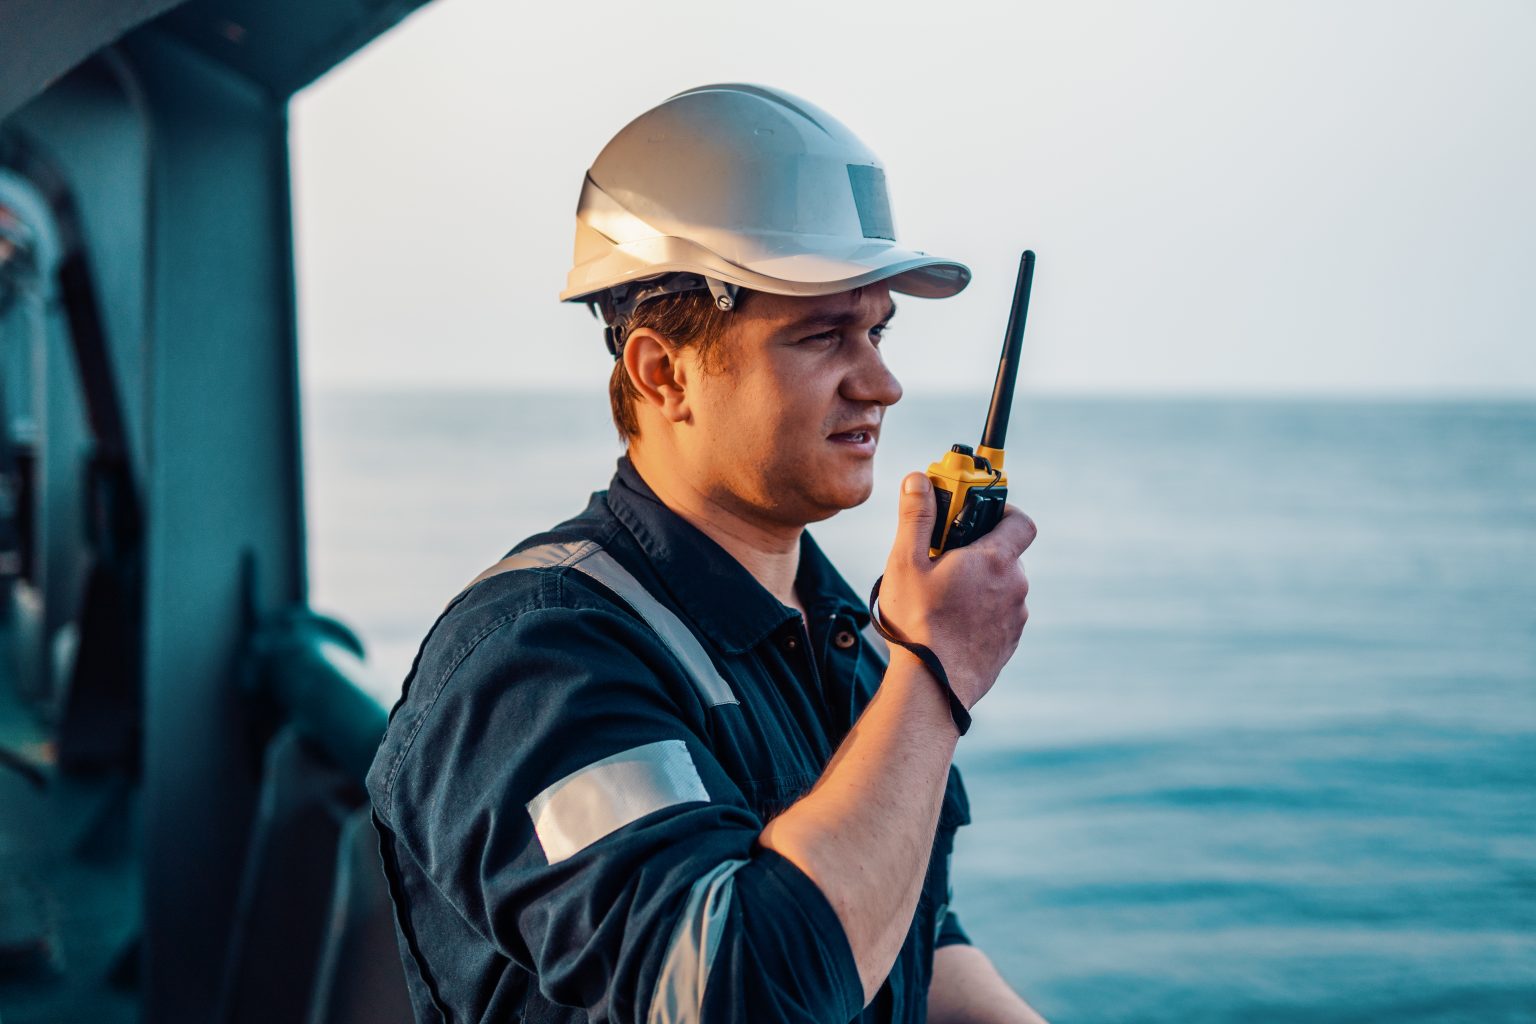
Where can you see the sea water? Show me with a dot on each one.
(1267, 751)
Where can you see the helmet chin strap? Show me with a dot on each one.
(618, 304)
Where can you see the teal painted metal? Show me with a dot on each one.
(283, 45)
(173, 144)
(46, 409)
(79, 152)
(222, 490)
(279, 45)
(312, 667)
(46, 39)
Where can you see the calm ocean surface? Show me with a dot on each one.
(1268, 749)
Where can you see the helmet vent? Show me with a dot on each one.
(873, 203)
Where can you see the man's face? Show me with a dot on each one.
(787, 423)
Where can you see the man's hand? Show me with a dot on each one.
(966, 989)
(967, 605)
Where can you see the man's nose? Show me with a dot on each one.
(871, 380)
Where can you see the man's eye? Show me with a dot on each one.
(816, 339)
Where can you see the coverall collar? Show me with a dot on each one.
(723, 599)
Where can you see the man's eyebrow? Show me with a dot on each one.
(828, 321)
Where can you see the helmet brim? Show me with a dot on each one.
(824, 270)
(822, 273)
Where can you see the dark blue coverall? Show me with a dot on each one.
(570, 830)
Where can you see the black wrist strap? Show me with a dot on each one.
(930, 661)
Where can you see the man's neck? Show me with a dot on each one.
(771, 554)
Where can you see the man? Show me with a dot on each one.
(646, 768)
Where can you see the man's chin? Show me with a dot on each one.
(849, 494)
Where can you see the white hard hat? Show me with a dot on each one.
(740, 186)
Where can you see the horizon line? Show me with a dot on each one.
(1510, 396)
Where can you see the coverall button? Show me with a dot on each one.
(844, 639)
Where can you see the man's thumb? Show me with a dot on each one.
(917, 512)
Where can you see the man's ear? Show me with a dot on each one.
(652, 363)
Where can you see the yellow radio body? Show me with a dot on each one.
(970, 489)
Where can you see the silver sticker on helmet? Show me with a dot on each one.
(606, 795)
(873, 203)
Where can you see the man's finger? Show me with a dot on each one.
(916, 511)
(1015, 532)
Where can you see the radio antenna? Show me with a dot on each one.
(993, 434)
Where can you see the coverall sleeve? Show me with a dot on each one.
(950, 932)
(559, 793)
(956, 812)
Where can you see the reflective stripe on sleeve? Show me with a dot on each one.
(591, 802)
(679, 995)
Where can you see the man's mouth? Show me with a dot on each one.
(861, 439)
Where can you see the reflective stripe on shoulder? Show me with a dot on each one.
(541, 557)
(589, 557)
(600, 566)
(679, 995)
(603, 797)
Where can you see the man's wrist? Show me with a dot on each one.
(909, 678)
(959, 712)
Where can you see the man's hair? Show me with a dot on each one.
(686, 319)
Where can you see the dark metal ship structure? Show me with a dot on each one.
(183, 830)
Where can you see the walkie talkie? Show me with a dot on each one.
(970, 485)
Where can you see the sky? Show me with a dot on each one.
(1329, 198)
